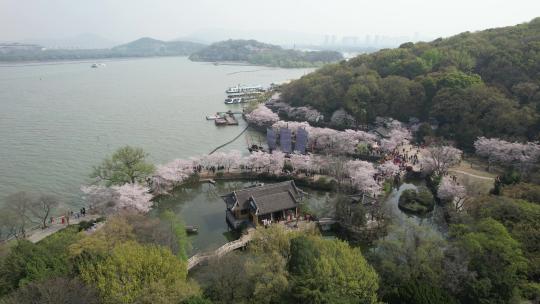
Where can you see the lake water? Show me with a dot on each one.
(58, 120)
(201, 205)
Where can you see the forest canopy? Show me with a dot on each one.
(485, 83)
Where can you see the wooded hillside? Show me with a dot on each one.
(473, 84)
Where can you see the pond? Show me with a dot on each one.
(201, 205)
(434, 220)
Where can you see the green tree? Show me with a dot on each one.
(53, 291)
(521, 219)
(28, 262)
(101, 243)
(495, 257)
(167, 229)
(126, 165)
(226, 280)
(329, 271)
(135, 273)
(409, 253)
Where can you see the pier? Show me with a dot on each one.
(227, 119)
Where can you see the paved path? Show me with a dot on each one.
(471, 175)
(39, 234)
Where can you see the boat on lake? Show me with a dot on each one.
(245, 89)
(213, 117)
(234, 100)
(94, 66)
(192, 229)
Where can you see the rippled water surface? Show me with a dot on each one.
(58, 120)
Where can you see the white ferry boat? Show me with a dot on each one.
(234, 100)
(245, 89)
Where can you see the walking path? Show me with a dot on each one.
(471, 175)
(221, 251)
(39, 234)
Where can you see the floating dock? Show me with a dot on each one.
(227, 120)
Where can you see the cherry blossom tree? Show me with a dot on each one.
(171, 175)
(321, 138)
(301, 162)
(319, 163)
(397, 137)
(117, 198)
(347, 141)
(451, 191)
(262, 117)
(292, 125)
(133, 197)
(258, 160)
(438, 159)
(100, 199)
(362, 178)
(364, 182)
(388, 169)
(232, 159)
(520, 155)
(277, 161)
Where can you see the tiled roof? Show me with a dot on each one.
(274, 202)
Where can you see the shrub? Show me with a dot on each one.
(416, 201)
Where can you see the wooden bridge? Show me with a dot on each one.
(221, 251)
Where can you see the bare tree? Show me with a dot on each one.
(17, 210)
(43, 206)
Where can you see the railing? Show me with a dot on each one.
(221, 251)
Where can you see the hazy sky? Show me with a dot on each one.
(124, 20)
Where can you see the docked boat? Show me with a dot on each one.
(234, 100)
(192, 229)
(213, 117)
(244, 89)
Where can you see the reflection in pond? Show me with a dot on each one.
(433, 220)
(201, 205)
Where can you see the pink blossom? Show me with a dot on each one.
(262, 117)
(291, 125)
(277, 160)
(521, 155)
(398, 136)
(388, 169)
(451, 191)
(362, 176)
(117, 198)
(258, 160)
(133, 197)
(439, 159)
(301, 162)
(321, 138)
(171, 175)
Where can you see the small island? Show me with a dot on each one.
(258, 53)
(416, 201)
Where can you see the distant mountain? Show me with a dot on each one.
(144, 47)
(154, 47)
(83, 41)
(255, 52)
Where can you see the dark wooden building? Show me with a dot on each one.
(274, 202)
